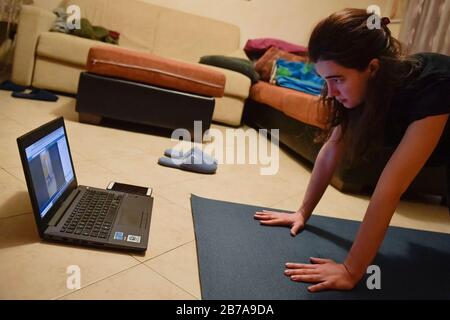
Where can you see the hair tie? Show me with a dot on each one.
(385, 21)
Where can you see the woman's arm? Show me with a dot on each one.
(325, 164)
(417, 144)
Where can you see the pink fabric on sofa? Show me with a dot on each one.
(257, 47)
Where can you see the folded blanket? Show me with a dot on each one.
(96, 32)
(299, 76)
(87, 30)
(236, 64)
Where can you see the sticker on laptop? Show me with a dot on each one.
(132, 238)
(118, 236)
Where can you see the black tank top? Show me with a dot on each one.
(425, 93)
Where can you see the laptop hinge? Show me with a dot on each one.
(59, 214)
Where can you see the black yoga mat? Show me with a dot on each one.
(241, 259)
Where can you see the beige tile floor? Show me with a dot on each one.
(32, 269)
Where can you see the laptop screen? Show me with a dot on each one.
(50, 167)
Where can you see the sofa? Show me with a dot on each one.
(300, 117)
(54, 61)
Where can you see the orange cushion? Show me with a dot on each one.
(306, 108)
(295, 104)
(266, 93)
(156, 70)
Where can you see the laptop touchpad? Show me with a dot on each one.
(131, 213)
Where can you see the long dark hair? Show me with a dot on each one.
(345, 38)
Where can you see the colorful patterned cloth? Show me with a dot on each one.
(298, 76)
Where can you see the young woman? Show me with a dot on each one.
(375, 95)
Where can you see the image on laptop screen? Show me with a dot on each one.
(50, 168)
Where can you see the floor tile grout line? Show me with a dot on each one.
(97, 281)
(181, 288)
(161, 275)
(181, 181)
(9, 173)
(15, 216)
(93, 160)
(289, 197)
(172, 202)
(131, 255)
(162, 253)
(12, 119)
(139, 263)
(126, 269)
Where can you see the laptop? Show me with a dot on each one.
(72, 213)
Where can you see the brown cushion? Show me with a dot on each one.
(266, 93)
(305, 107)
(155, 70)
(295, 104)
(264, 65)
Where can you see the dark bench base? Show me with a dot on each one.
(100, 96)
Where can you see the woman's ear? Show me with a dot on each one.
(373, 67)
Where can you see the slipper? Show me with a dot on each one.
(11, 86)
(193, 162)
(179, 154)
(36, 94)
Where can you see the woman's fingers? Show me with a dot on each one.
(270, 222)
(320, 260)
(306, 278)
(264, 212)
(297, 272)
(263, 216)
(319, 287)
(296, 229)
(273, 218)
(291, 265)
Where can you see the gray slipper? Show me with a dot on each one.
(179, 154)
(192, 162)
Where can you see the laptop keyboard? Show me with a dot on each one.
(94, 214)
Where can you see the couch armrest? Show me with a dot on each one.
(32, 22)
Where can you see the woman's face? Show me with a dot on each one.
(347, 85)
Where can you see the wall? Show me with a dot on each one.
(291, 20)
(47, 4)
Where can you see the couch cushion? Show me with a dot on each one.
(266, 93)
(304, 107)
(237, 85)
(136, 21)
(66, 48)
(295, 104)
(156, 70)
(188, 37)
(54, 75)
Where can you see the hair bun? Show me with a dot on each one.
(385, 21)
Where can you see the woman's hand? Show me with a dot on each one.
(272, 218)
(326, 273)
